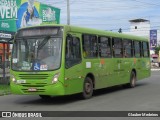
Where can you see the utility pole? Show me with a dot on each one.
(68, 13)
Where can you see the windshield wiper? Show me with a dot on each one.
(40, 46)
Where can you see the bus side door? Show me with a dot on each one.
(73, 67)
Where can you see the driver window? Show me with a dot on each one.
(73, 53)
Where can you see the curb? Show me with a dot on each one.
(155, 69)
(5, 93)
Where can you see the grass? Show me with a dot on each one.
(4, 89)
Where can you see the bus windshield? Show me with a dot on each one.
(36, 53)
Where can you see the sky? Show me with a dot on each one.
(108, 14)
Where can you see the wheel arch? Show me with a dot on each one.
(91, 76)
(134, 70)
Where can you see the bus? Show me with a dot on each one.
(75, 60)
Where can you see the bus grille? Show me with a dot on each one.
(33, 76)
(37, 90)
(33, 85)
(37, 86)
(40, 81)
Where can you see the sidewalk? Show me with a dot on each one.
(155, 67)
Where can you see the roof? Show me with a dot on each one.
(139, 20)
(106, 33)
(71, 28)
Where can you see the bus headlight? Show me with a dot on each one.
(13, 79)
(55, 78)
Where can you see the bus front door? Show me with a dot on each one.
(73, 67)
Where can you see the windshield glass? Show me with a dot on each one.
(36, 53)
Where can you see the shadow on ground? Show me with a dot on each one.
(71, 98)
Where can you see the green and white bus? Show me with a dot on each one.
(62, 60)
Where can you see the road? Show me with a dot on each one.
(144, 97)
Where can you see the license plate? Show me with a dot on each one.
(32, 89)
(21, 81)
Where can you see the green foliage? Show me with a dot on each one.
(157, 49)
(4, 89)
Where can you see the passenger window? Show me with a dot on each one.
(137, 49)
(145, 49)
(127, 48)
(117, 47)
(104, 47)
(73, 52)
(90, 48)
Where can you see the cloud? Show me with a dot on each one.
(107, 14)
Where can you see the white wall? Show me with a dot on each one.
(143, 29)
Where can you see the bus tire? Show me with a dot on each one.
(87, 88)
(133, 80)
(45, 97)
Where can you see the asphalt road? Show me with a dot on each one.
(144, 97)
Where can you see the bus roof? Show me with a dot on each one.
(105, 33)
(70, 28)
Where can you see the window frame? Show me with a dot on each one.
(108, 45)
(131, 50)
(113, 47)
(147, 49)
(78, 62)
(83, 47)
(140, 49)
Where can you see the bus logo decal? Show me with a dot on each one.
(102, 61)
(135, 61)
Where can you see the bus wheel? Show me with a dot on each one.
(45, 97)
(132, 83)
(87, 88)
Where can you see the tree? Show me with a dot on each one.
(120, 30)
(157, 49)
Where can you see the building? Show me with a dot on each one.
(142, 27)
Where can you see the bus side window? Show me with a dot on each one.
(104, 47)
(73, 52)
(117, 48)
(137, 49)
(127, 48)
(90, 47)
(145, 49)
